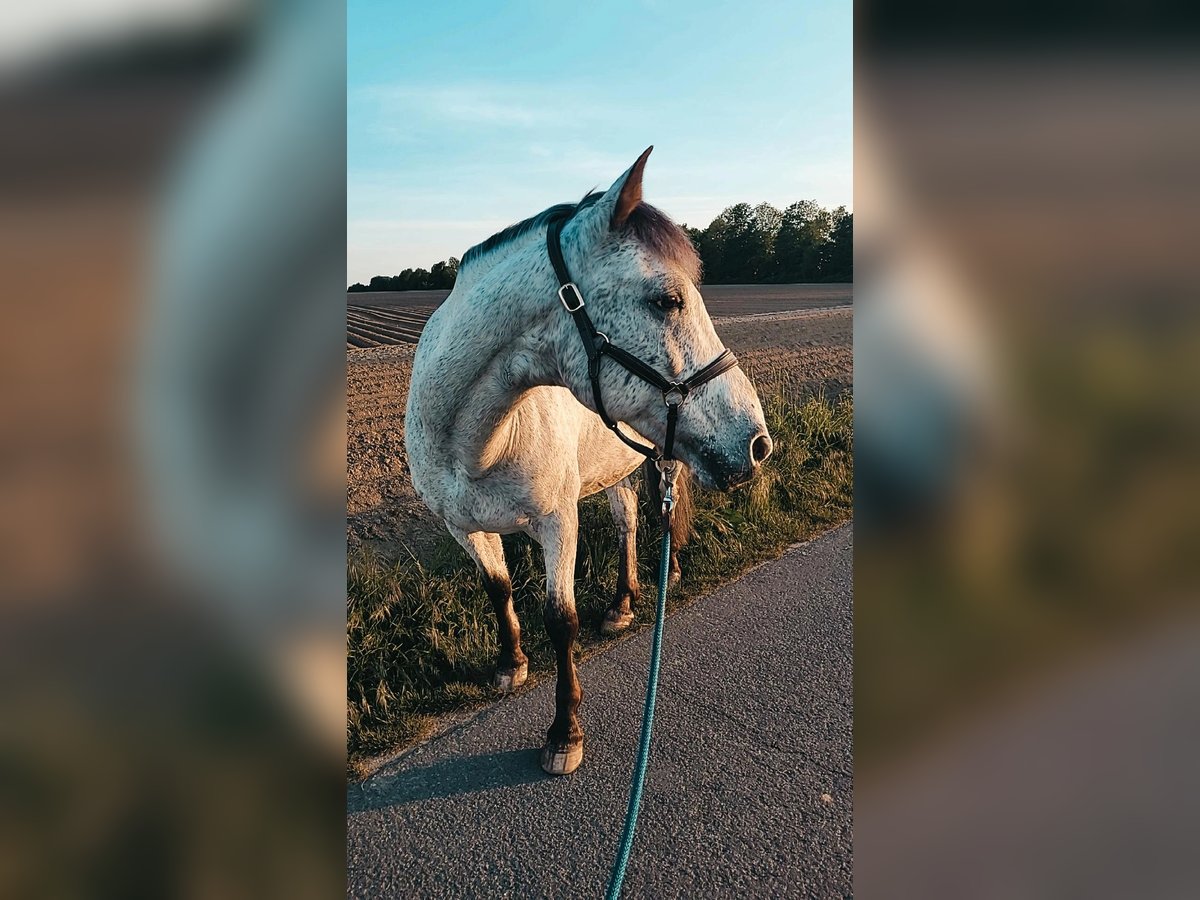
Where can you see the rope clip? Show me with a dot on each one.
(668, 471)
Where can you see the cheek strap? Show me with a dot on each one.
(597, 345)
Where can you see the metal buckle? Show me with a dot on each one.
(563, 299)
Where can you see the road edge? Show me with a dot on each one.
(450, 722)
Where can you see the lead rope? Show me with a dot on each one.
(597, 345)
(669, 469)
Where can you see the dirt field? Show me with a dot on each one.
(392, 317)
(799, 352)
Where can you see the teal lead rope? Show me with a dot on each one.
(617, 878)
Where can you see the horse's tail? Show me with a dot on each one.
(681, 517)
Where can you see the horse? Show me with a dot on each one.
(505, 427)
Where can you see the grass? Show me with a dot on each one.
(421, 634)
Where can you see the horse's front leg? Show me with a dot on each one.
(558, 535)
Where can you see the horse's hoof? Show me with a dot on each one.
(614, 623)
(562, 759)
(508, 680)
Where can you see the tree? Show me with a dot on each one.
(838, 256)
(443, 274)
(765, 224)
(737, 246)
(803, 231)
(721, 244)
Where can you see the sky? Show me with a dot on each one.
(466, 117)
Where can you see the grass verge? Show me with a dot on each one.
(421, 637)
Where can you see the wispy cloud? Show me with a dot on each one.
(510, 107)
(470, 105)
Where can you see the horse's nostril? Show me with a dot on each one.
(760, 448)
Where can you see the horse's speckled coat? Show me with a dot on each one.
(500, 427)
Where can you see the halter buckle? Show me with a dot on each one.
(562, 297)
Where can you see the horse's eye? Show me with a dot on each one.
(667, 301)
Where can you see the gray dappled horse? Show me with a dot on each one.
(502, 430)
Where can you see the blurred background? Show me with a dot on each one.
(1027, 359)
(171, 549)
(171, 559)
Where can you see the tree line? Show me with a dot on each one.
(743, 245)
(754, 244)
(440, 276)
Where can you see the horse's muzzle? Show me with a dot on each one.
(722, 472)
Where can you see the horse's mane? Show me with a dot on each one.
(649, 226)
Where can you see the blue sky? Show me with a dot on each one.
(466, 117)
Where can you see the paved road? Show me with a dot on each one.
(753, 728)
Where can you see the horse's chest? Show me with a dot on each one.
(603, 460)
(502, 505)
(604, 478)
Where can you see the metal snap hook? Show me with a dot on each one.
(668, 471)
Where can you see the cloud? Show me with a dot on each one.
(516, 107)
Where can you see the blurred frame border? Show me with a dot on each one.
(174, 479)
(1026, 377)
(1026, 360)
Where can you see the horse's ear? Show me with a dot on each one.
(629, 194)
(614, 208)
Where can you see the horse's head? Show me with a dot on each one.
(639, 275)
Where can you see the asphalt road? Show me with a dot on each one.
(750, 787)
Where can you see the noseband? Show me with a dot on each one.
(597, 345)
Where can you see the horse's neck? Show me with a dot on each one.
(492, 346)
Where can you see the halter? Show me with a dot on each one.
(597, 345)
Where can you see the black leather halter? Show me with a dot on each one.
(597, 345)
